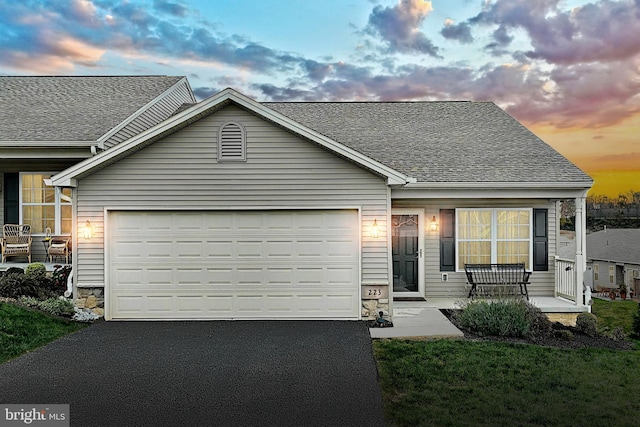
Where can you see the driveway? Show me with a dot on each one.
(235, 373)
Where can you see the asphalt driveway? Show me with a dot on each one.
(236, 373)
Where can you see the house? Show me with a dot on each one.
(48, 124)
(235, 209)
(614, 256)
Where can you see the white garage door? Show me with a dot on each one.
(206, 265)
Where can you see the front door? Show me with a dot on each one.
(406, 245)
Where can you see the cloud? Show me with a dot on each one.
(460, 32)
(171, 8)
(130, 29)
(602, 31)
(399, 27)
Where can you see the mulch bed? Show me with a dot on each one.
(552, 338)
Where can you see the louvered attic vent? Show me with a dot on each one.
(231, 143)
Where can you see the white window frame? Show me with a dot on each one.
(494, 234)
(612, 274)
(57, 231)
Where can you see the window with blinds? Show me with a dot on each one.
(232, 143)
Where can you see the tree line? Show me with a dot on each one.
(613, 212)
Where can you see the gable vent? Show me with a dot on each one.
(231, 143)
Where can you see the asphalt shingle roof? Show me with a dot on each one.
(441, 141)
(65, 108)
(621, 245)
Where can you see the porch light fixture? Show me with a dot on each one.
(374, 229)
(88, 230)
(434, 224)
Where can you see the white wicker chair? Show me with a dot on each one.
(16, 241)
(60, 247)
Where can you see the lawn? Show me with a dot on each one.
(611, 314)
(23, 330)
(464, 383)
(483, 383)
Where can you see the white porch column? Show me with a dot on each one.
(581, 246)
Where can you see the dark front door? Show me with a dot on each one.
(404, 245)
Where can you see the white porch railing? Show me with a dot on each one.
(566, 279)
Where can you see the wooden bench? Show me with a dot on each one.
(497, 275)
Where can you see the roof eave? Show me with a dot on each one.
(493, 190)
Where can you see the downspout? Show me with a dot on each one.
(69, 291)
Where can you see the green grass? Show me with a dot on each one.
(23, 330)
(612, 314)
(465, 383)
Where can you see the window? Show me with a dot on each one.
(42, 207)
(494, 236)
(596, 272)
(612, 274)
(231, 143)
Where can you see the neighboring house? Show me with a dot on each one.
(233, 208)
(48, 124)
(614, 255)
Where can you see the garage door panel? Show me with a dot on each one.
(277, 264)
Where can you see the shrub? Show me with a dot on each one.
(28, 301)
(539, 323)
(507, 318)
(587, 324)
(14, 270)
(618, 334)
(57, 307)
(15, 285)
(36, 270)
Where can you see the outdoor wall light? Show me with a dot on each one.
(434, 224)
(374, 229)
(88, 230)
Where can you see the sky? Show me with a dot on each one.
(569, 70)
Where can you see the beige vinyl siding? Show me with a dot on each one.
(163, 108)
(282, 171)
(542, 282)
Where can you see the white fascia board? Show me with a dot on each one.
(493, 190)
(46, 144)
(141, 110)
(68, 176)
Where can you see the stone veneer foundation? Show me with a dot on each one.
(91, 299)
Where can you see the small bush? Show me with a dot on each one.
(618, 334)
(28, 301)
(507, 318)
(15, 285)
(57, 307)
(539, 323)
(587, 324)
(14, 270)
(36, 270)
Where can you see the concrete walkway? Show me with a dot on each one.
(417, 320)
